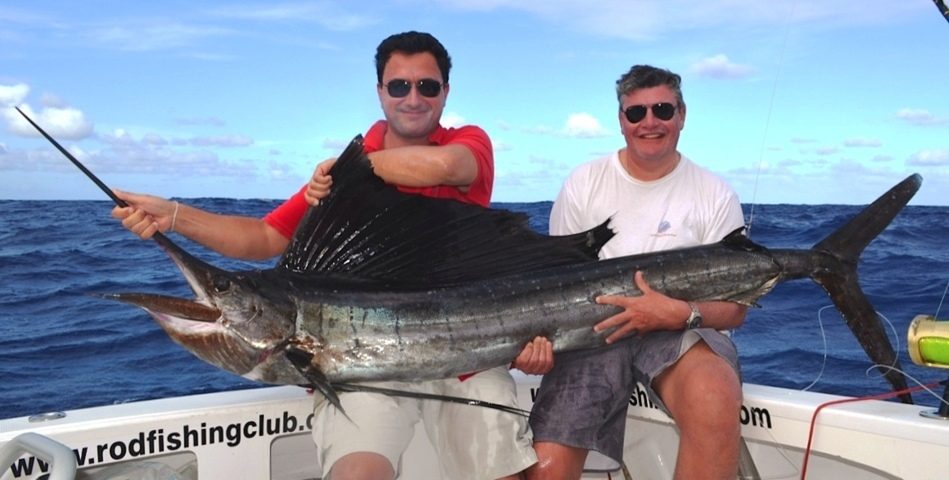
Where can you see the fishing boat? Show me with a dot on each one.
(265, 433)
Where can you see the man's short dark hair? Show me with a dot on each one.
(412, 42)
(647, 76)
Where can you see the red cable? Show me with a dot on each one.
(810, 435)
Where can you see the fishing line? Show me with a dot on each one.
(352, 387)
(896, 336)
(767, 123)
(823, 336)
(823, 333)
(921, 386)
(942, 300)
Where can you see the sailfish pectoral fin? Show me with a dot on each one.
(302, 360)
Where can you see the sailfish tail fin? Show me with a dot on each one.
(849, 241)
(844, 247)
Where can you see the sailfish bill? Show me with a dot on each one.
(379, 285)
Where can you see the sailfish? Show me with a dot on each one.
(379, 285)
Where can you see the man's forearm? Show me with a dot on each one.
(230, 235)
(425, 166)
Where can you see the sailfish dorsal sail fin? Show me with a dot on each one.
(367, 229)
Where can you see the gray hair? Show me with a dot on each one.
(647, 76)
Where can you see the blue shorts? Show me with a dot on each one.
(582, 402)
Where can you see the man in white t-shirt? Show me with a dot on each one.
(657, 199)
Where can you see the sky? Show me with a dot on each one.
(801, 102)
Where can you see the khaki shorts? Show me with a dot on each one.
(471, 442)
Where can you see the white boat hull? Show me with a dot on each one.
(264, 433)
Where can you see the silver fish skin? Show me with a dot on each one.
(354, 330)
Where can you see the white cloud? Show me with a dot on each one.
(719, 66)
(540, 130)
(188, 121)
(501, 146)
(13, 95)
(154, 36)
(154, 139)
(929, 158)
(326, 14)
(119, 136)
(577, 125)
(223, 141)
(584, 125)
(120, 152)
(52, 101)
(452, 119)
(919, 117)
(283, 171)
(61, 123)
(862, 142)
(335, 144)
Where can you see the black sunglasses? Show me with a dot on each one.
(427, 87)
(662, 111)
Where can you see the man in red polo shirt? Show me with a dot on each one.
(411, 150)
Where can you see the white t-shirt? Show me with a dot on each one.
(688, 207)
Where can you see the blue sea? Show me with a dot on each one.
(62, 347)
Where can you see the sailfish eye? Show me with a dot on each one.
(221, 284)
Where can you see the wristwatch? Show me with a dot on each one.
(695, 317)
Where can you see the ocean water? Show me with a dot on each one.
(62, 347)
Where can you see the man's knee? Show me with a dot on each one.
(556, 461)
(361, 466)
(701, 382)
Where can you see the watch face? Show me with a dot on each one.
(695, 318)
